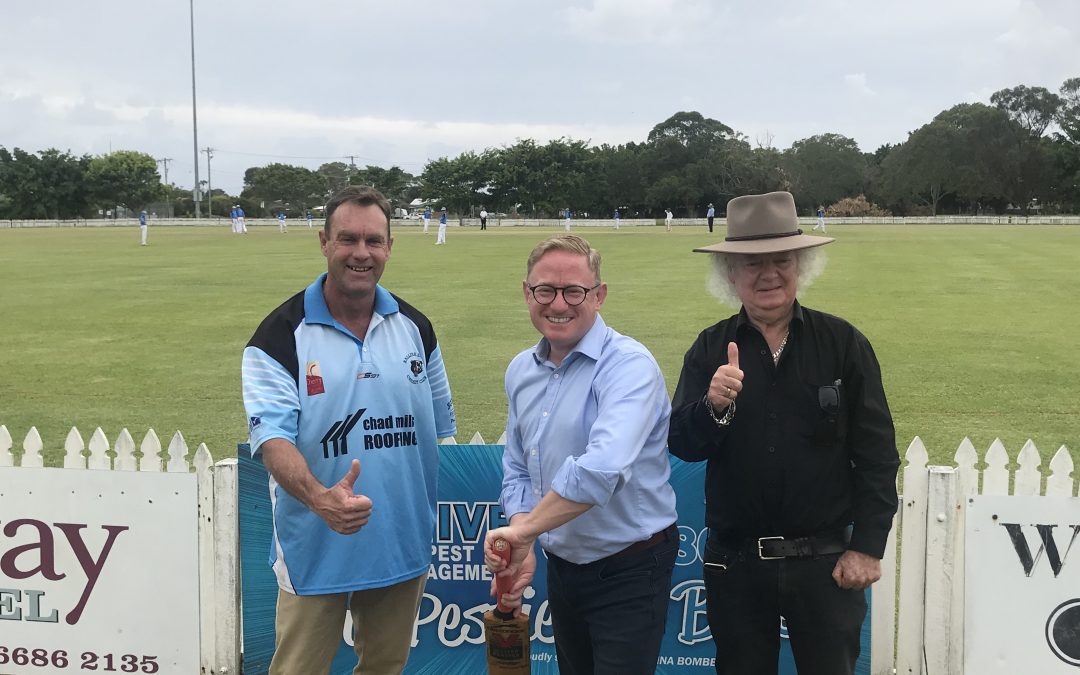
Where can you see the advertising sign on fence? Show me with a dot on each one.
(1022, 598)
(448, 637)
(99, 571)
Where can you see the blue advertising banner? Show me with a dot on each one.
(448, 638)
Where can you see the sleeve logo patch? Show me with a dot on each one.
(314, 379)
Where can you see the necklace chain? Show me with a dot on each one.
(780, 349)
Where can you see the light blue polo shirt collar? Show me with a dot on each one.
(591, 344)
(316, 311)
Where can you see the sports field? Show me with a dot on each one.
(975, 326)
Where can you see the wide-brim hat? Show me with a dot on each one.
(765, 223)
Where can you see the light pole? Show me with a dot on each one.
(209, 185)
(194, 115)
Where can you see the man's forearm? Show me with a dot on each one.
(552, 511)
(285, 463)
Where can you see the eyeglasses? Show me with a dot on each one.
(571, 295)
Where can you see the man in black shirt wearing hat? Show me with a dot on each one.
(786, 404)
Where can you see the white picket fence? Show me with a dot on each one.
(925, 637)
(219, 557)
(927, 634)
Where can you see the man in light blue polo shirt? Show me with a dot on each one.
(585, 471)
(343, 377)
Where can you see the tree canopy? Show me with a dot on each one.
(1020, 151)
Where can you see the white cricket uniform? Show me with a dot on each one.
(442, 229)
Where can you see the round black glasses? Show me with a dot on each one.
(571, 295)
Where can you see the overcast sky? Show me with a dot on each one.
(398, 82)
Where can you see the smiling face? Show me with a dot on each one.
(766, 284)
(356, 247)
(563, 325)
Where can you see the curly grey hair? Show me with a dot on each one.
(811, 263)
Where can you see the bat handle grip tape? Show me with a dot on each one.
(503, 583)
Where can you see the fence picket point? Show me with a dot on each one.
(99, 451)
(73, 448)
(1027, 481)
(32, 447)
(177, 452)
(477, 439)
(996, 474)
(151, 452)
(6, 458)
(125, 452)
(1060, 483)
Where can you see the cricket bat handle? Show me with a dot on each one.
(503, 584)
(508, 651)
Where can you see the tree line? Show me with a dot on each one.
(1022, 152)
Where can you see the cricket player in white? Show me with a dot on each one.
(442, 227)
(668, 216)
(142, 226)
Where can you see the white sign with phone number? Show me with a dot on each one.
(98, 572)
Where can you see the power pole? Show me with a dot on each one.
(209, 185)
(352, 169)
(194, 115)
(164, 162)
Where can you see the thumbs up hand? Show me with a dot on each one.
(727, 381)
(342, 510)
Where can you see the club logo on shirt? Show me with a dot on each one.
(253, 422)
(416, 367)
(314, 379)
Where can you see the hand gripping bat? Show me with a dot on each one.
(507, 635)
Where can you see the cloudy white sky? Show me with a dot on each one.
(401, 82)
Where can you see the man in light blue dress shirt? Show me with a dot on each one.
(585, 471)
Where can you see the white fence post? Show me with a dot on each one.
(909, 636)
(227, 566)
(942, 639)
(207, 574)
(883, 609)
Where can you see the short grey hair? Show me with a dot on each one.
(811, 263)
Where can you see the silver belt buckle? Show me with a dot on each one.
(761, 553)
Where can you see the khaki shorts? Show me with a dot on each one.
(309, 629)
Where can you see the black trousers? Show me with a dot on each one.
(710, 223)
(608, 617)
(483, 223)
(746, 598)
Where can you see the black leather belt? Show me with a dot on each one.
(669, 533)
(777, 548)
